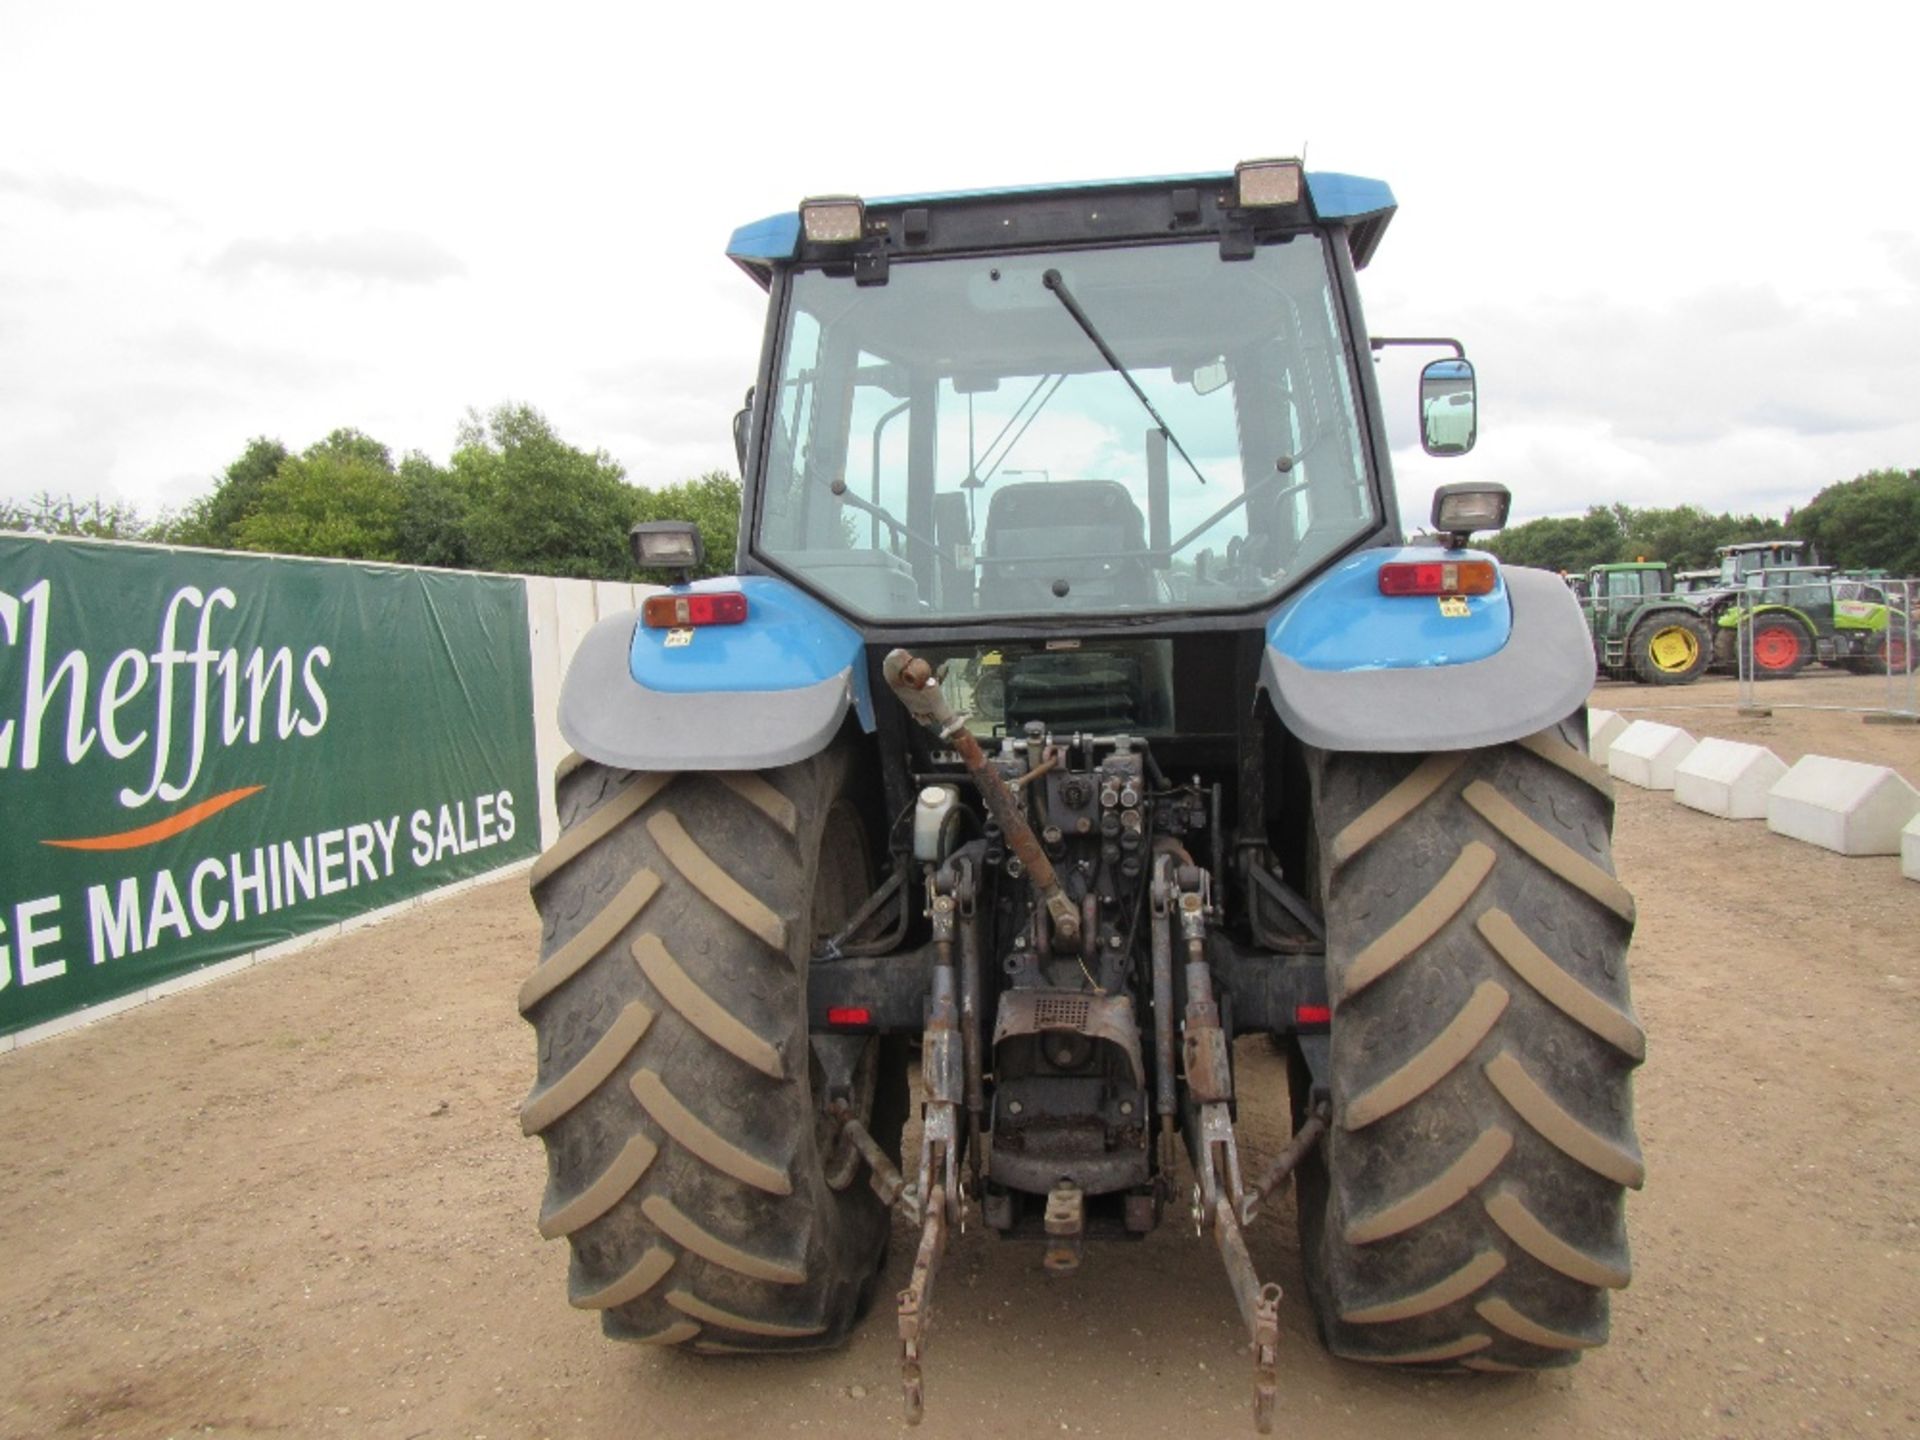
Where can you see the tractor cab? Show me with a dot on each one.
(1739, 561)
(1140, 399)
(1624, 588)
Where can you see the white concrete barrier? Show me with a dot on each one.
(1842, 805)
(1910, 849)
(1647, 753)
(1603, 728)
(1728, 779)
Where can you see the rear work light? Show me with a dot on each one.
(1258, 183)
(1438, 577)
(677, 612)
(833, 219)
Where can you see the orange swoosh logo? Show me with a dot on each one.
(160, 829)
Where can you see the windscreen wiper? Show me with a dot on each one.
(1058, 286)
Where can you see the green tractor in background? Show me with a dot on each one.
(1695, 582)
(1802, 613)
(1642, 630)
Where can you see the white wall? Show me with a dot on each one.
(559, 614)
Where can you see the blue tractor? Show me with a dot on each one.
(1078, 708)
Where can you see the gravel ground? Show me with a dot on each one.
(296, 1202)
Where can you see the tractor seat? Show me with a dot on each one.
(1088, 533)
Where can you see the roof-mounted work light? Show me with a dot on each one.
(833, 219)
(1258, 183)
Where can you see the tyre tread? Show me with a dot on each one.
(1465, 1210)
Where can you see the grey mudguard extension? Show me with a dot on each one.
(1538, 678)
(609, 717)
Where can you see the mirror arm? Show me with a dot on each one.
(1381, 342)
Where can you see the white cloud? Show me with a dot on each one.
(1685, 265)
(368, 255)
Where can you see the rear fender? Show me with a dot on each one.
(771, 690)
(1348, 668)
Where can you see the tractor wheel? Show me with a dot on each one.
(1671, 649)
(1889, 656)
(708, 1199)
(1467, 1205)
(1780, 645)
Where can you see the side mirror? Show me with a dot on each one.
(1448, 423)
(741, 419)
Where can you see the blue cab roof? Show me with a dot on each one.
(1365, 205)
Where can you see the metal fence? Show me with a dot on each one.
(1776, 625)
(1783, 623)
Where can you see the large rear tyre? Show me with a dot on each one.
(706, 1197)
(1891, 653)
(1670, 649)
(1467, 1205)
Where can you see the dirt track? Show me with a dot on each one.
(297, 1203)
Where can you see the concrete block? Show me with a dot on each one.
(1647, 753)
(1842, 805)
(1603, 728)
(1728, 779)
(1910, 849)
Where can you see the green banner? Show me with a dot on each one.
(202, 754)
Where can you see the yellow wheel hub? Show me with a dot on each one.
(1674, 649)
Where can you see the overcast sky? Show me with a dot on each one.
(1681, 242)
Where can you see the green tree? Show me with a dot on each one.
(1685, 536)
(1564, 543)
(434, 515)
(214, 519)
(50, 514)
(339, 498)
(1871, 521)
(539, 505)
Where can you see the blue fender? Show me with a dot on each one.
(1348, 668)
(769, 691)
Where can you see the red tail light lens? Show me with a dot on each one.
(1304, 1015)
(674, 612)
(849, 1015)
(1438, 577)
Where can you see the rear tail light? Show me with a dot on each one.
(1307, 1015)
(855, 1015)
(1438, 577)
(674, 612)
